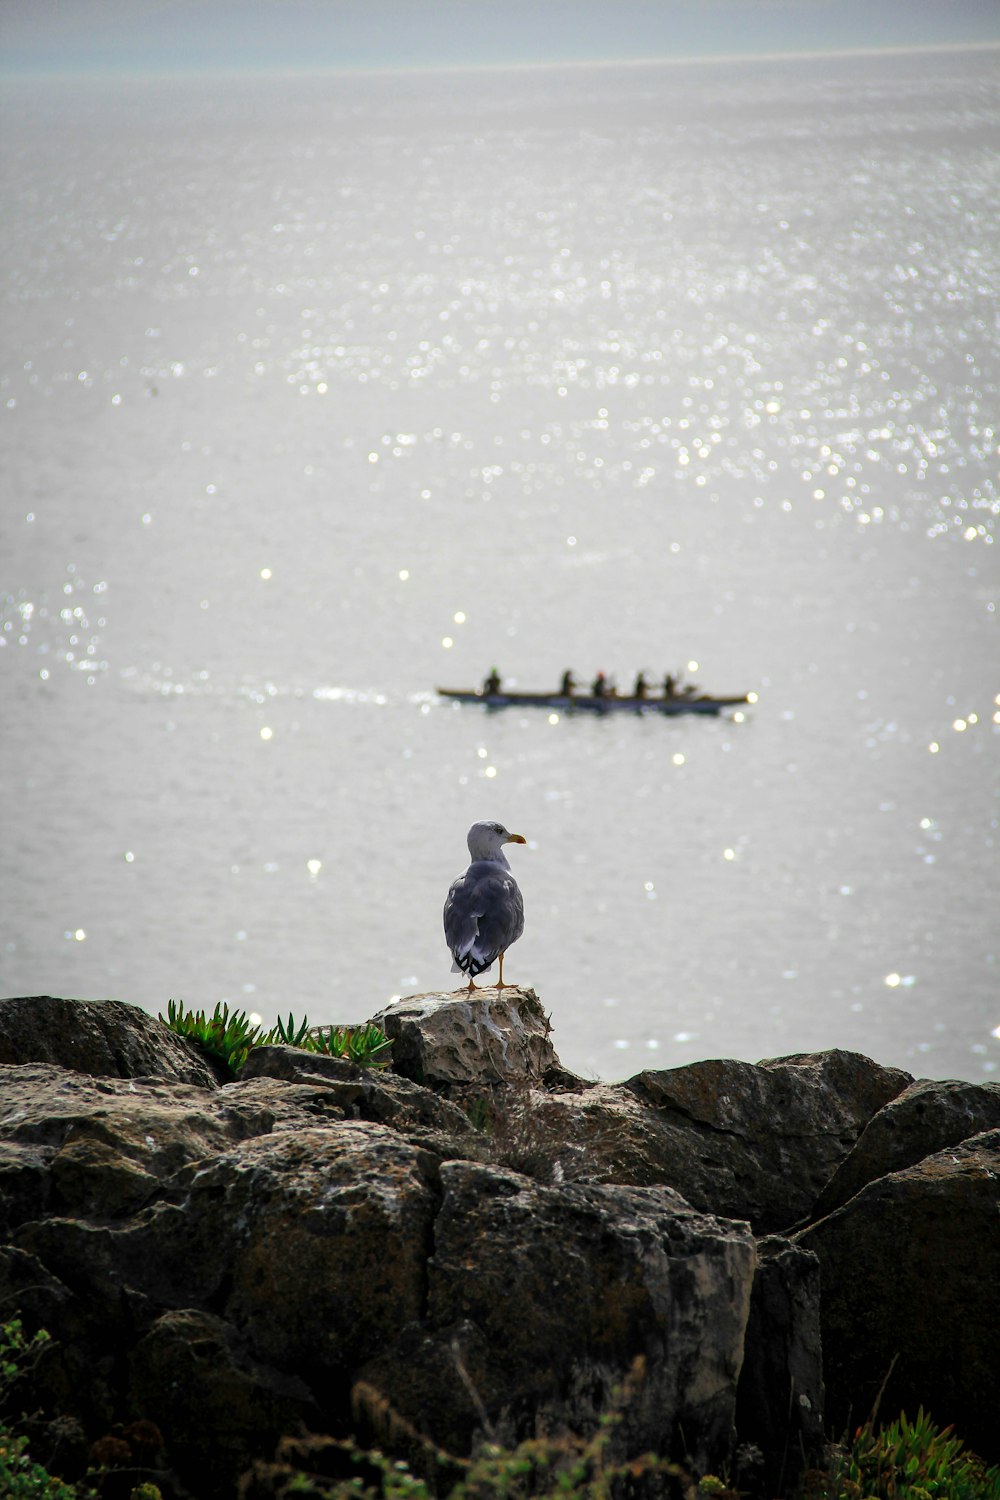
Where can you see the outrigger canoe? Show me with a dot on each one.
(678, 703)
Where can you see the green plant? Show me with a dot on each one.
(366, 1045)
(16, 1351)
(20, 1477)
(905, 1461)
(229, 1039)
(291, 1035)
(223, 1037)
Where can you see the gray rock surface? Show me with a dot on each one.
(780, 1400)
(923, 1119)
(487, 1036)
(105, 1038)
(75, 1144)
(191, 1374)
(550, 1293)
(508, 1251)
(755, 1142)
(910, 1270)
(416, 1113)
(769, 1135)
(269, 1251)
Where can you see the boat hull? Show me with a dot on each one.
(680, 703)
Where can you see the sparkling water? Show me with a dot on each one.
(319, 392)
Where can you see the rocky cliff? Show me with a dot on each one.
(474, 1242)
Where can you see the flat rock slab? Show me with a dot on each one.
(380, 1095)
(71, 1144)
(486, 1036)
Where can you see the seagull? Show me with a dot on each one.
(483, 913)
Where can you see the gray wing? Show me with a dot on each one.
(483, 915)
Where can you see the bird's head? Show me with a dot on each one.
(487, 839)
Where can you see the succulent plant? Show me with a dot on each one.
(229, 1038)
(366, 1045)
(222, 1037)
(905, 1460)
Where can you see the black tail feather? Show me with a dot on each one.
(469, 964)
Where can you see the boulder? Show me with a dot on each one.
(314, 1242)
(488, 1036)
(922, 1120)
(910, 1269)
(540, 1299)
(745, 1141)
(309, 1244)
(105, 1038)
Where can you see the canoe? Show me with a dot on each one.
(679, 703)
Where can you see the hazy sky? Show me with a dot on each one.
(142, 35)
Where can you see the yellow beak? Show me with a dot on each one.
(516, 838)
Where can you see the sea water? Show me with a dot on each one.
(319, 392)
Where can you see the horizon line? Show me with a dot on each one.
(395, 69)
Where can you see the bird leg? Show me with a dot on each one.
(472, 985)
(500, 980)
